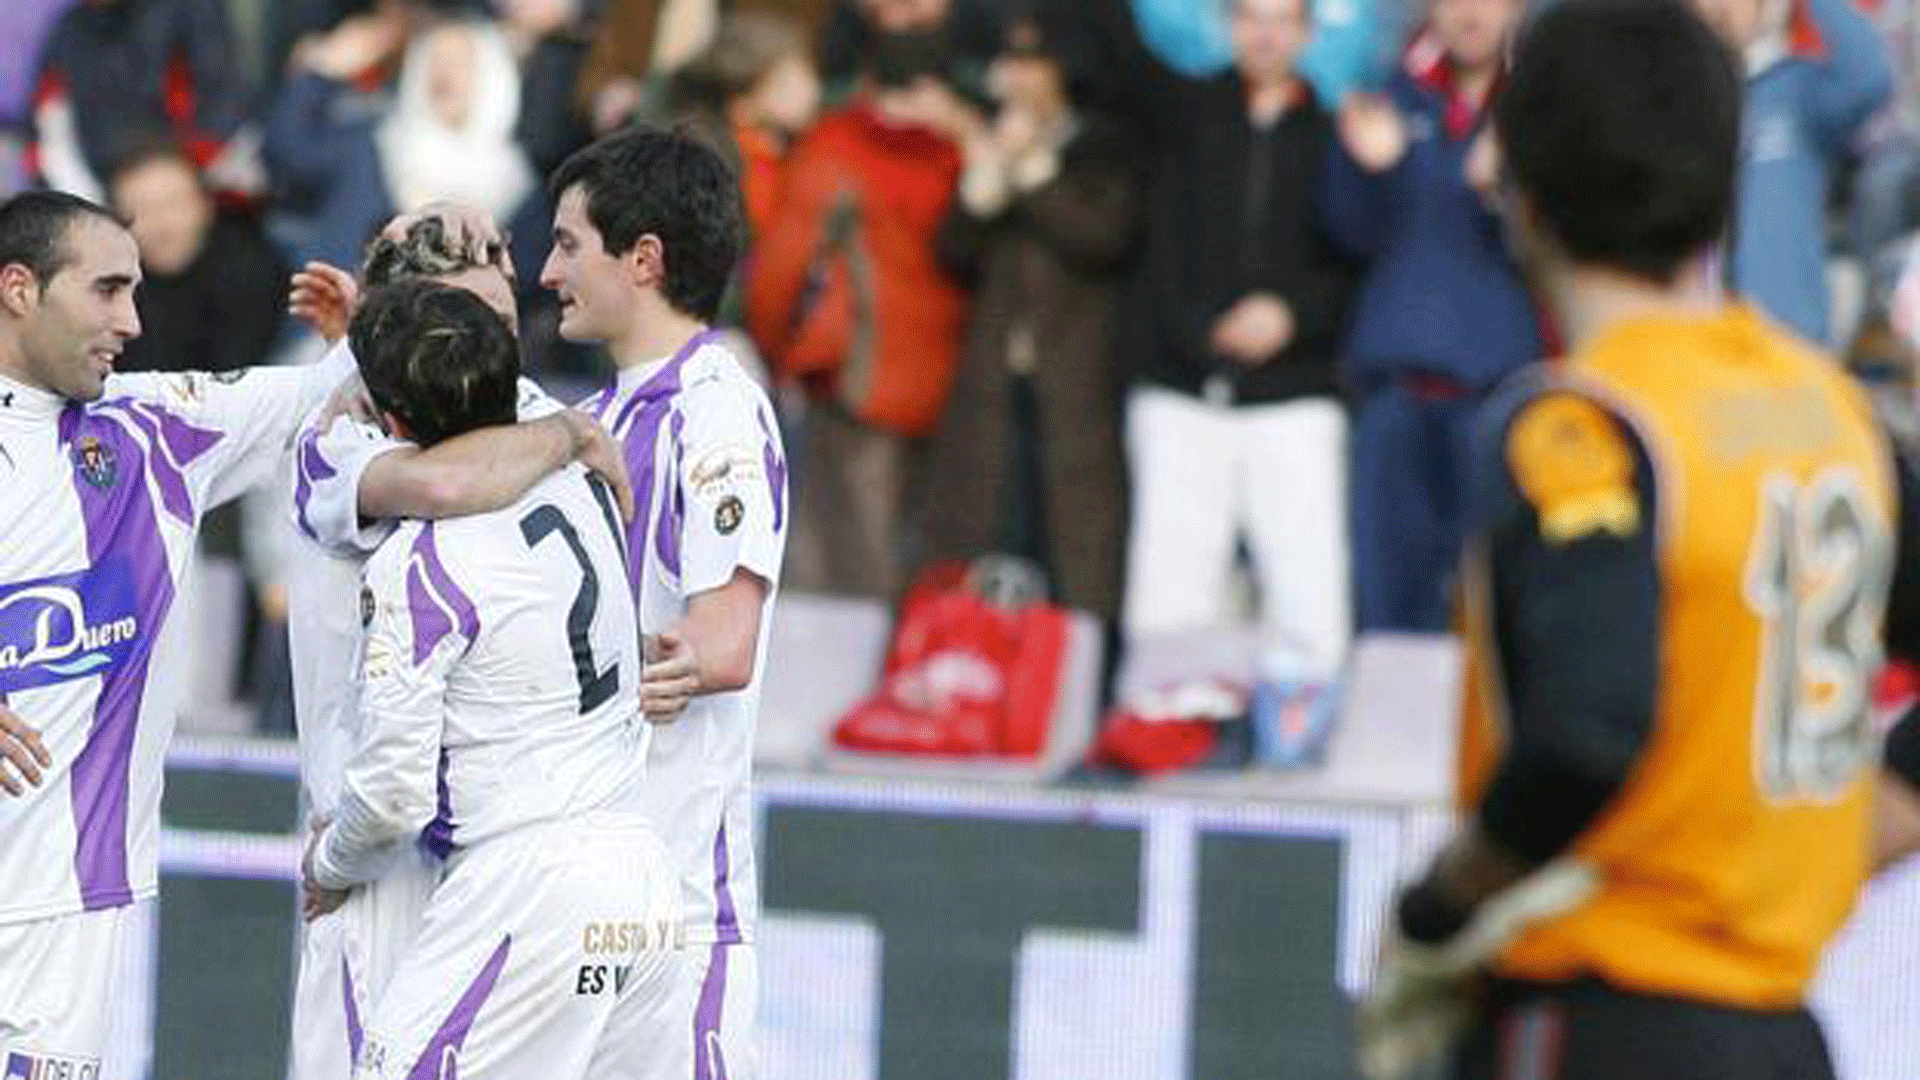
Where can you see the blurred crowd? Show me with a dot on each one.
(1189, 303)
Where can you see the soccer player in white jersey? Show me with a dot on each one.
(646, 236)
(502, 726)
(103, 480)
(345, 468)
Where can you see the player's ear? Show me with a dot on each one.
(19, 290)
(395, 426)
(647, 262)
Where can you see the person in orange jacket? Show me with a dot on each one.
(846, 298)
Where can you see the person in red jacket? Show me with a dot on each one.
(847, 299)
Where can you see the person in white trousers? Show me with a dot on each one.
(1235, 430)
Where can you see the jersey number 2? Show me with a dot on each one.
(1818, 576)
(596, 686)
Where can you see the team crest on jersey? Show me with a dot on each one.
(367, 606)
(96, 461)
(50, 1067)
(728, 515)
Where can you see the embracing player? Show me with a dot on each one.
(103, 479)
(1684, 548)
(501, 727)
(646, 236)
(352, 478)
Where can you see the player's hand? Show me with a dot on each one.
(324, 297)
(316, 899)
(21, 748)
(1424, 994)
(603, 457)
(471, 229)
(670, 677)
(1373, 130)
(1419, 1004)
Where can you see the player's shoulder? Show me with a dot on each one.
(1563, 447)
(717, 372)
(720, 399)
(534, 403)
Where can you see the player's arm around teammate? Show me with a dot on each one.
(474, 473)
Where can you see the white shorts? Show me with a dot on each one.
(726, 1002)
(63, 982)
(548, 952)
(347, 959)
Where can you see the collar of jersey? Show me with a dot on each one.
(18, 401)
(658, 378)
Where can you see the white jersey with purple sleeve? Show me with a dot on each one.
(100, 505)
(709, 478)
(324, 578)
(500, 680)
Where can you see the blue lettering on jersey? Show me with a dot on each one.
(68, 626)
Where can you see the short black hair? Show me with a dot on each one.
(1621, 123)
(33, 229)
(437, 357)
(676, 186)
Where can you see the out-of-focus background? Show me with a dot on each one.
(1128, 383)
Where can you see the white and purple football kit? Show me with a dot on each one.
(100, 506)
(345, 958)
(709, 476)
(501, 728)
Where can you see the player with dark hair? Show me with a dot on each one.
(646, 235)
(436, 364)
(348, 472)
(1683, 550)
(103, 481)
(500, 645)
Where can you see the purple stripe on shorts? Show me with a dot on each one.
(453, 1032)
(726, 922)
(437, 837)
(313, 468)
(438, 606)
(776, 472)
(709, 1063)
(122, 527)
(356, 1034)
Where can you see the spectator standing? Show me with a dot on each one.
(753, 91)
(1444, 314)
(1234, 426)
(1028, 457)
(847, 298)
(449, 133)
(1817, 72)
(115, 71)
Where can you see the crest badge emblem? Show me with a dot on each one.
(96, 462)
